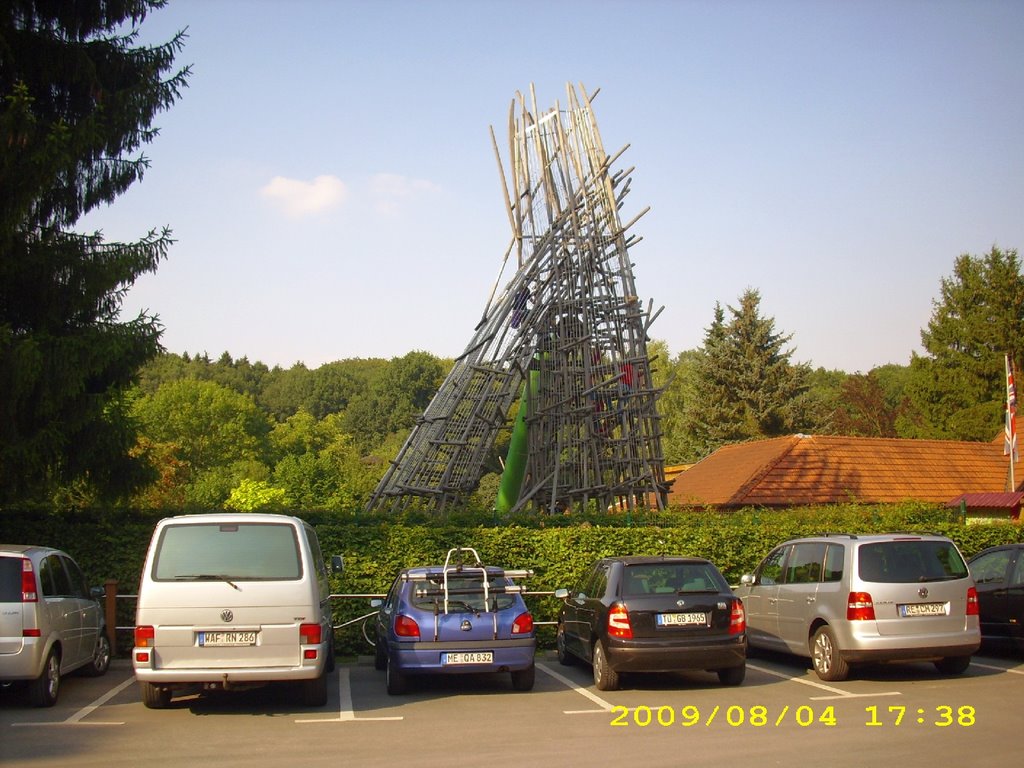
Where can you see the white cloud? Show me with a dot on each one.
(389, 191)
(301, 198)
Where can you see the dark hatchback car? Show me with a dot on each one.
(999, 576)
(653, 614)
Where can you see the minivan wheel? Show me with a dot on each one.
(100, 658)
(522, 679)
(42, 692)
(155, 697)
(732, 675)
(828, 662)
(605, 678)
(395, 680)
(953, 665)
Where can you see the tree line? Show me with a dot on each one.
(93, 410)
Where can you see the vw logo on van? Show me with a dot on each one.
(923, 592)
(227, 615)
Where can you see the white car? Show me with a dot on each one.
(51, 622)
(233, 601)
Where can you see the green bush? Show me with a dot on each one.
(111, 544)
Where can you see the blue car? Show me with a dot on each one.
(460, 617)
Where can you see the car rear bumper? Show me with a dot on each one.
(866, 647)
(429, 658)
(26, 663)
(661, 656)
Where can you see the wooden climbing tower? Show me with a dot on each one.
(558, 361)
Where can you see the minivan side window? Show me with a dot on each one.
(78, 586)
(53, 578)
(804, 566)
(834, 558)
(770, 571)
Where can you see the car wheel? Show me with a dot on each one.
(522, 679)
(953, 665)
(828, 662)
(43, 691)
(155, 697)
(314, 692)
(100, 658)
(605, 678)
(395, 680)
(565, 658)
(732, 675)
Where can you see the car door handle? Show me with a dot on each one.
(772, 600)
(810, 599)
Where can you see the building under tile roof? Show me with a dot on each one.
(830, 469)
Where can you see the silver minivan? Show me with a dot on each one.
(231, 601)
(841, 599)
(51, 622)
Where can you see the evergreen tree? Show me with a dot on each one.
(746, 386)
(957, 391)
(77, 100)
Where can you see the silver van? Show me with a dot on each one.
(231, 601)
(841, 599)
(51, 622)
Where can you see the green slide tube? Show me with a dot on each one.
(515, 463)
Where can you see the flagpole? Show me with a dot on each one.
(1010, 442)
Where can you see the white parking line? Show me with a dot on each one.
(837, 693)
(1012, 671)
(605, 706)
(346, 713)
(76, 719)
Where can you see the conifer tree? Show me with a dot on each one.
(746, 386)
(78, 97)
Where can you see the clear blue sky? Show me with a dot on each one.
(330, 180)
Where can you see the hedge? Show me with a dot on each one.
(111, 544)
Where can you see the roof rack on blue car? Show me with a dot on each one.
(455, 565)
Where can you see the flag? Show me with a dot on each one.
(1010, 443)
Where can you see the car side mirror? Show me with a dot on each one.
(747, 580)
(561, 594)
(376, 602)
(97, 593)
(337, 564)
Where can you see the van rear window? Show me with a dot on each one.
(229, 552)
(905, 562)
(10, 579)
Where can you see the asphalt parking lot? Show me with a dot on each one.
(901, 713)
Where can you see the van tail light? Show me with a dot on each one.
(972, 601)
(144, 637)
(310, 634)
(523, 625)
(28, 582)
(618, 622)
(737, 618)
(859, 607)
(406, 627)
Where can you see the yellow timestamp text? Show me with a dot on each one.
(689, 716)
(942, 716)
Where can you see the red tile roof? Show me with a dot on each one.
(827, 469)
